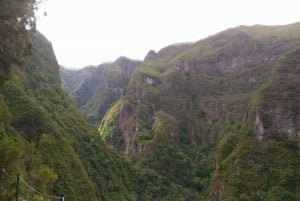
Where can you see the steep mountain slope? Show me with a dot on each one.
(211, 116)
(42, 113)
(94, 89)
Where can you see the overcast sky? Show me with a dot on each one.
(90, 32)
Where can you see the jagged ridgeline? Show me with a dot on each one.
(219, 117)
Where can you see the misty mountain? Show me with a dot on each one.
(94, 89)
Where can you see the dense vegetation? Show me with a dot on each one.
(215, 120)
(16, 153)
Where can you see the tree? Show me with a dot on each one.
(16, 19)
(19, 156)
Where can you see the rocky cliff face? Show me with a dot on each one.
(242, 81)
(279, 108)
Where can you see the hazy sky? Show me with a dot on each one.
(85, 32)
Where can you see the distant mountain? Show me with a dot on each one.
(220, 116)
(94, 89)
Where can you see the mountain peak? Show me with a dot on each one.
(151, 55)
(124, 61)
